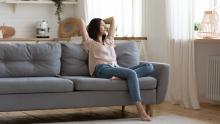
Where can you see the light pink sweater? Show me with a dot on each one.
(100, 54)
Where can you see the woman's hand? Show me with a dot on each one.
(109, 20)
(111, 32)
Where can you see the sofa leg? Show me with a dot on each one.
(149, 110)
(123, 109)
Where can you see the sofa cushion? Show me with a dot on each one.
(35, 85)
(127, 53)
(28, 60)
(84, 83)
(74, 60)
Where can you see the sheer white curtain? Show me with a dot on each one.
(128, 14)
(182, 86)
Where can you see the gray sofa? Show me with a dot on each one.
(36, 76)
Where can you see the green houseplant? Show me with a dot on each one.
(58, 4)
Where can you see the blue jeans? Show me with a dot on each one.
(130, 74)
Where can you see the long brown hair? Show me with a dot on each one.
(94, 29)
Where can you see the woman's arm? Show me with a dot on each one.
(85, 36)
(111, 21)
(83, 31)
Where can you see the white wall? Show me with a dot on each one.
(80, 10)
(26, 16)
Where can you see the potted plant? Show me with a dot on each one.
(58, 4)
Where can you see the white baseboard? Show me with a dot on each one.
(209, 101)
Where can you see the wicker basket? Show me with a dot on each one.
(7, 31)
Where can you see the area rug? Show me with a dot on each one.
(166, 119)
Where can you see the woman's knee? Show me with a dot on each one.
(149, 67)
(131, 73)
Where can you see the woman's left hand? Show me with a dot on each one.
(109, 42)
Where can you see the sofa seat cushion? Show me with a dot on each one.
(84, 83)
(35, 85)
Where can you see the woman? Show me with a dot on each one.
(102, 59)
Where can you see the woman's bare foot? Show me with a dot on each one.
(144, 116)
(115, 78)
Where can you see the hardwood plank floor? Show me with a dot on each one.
(208, 113)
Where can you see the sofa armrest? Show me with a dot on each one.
(161, 73)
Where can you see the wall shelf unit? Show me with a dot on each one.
(14, 3)
(38, 2)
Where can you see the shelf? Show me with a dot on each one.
(207, 41)
(137, 39)
(17, 2)
(37, 2)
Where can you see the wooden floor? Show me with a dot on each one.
(208, 113)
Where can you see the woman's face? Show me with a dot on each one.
(102, 28)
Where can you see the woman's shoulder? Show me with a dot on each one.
(88, 40)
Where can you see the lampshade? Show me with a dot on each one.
(209, 26)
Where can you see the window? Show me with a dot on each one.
(203, 5)
(128, 14)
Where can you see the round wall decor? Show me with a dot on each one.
(69, 28)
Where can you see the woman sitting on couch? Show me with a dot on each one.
(102, 59)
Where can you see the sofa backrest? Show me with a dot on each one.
(28, 60)
(127, 53)
(74, 60)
